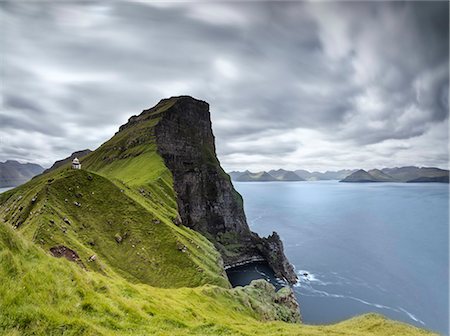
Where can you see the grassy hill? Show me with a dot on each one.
(42, 295)
(100, 251)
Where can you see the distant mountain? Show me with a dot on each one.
(328, 175)
(441, 179)
(301, 175)
(380, 176)
(360, 176)
(235, 174)
(13, 173)
(410, 173)
(297, 175)
(285, 175)
(304, 174)
(402, 174)
(59, 163)
(248, 176)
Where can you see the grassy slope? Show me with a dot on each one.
(43, 295)
(150, 248)
(125, 190)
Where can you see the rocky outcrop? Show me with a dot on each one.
(269, 304)
(273, 252)
(206, 199)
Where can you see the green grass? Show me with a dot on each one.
(42, 295)
(150, 250)
(160, 279)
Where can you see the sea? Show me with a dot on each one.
(358, 247)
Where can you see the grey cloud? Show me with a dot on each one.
(357, 74)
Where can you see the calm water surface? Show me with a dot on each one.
(379, 247)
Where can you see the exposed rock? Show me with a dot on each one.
(272, 249)
(63, 251)
(272, 305)
(206, 199)
(177, 221)
(66, 220)
(118, 238)
(92, 258)
(181, 247)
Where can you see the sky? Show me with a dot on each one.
(311, 85)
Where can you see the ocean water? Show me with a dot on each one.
(378, 247)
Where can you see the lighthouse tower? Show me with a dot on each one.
(76, 164)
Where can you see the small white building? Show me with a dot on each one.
(76, 164)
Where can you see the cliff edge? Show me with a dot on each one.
(206, 199)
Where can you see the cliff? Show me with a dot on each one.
(207, 201)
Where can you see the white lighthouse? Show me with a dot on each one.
(76, 164)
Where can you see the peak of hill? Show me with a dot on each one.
(78, 154)
(381, 176)
(14, 173)
(359, 176)
(93, 251)
(285, 175)
(255, 177)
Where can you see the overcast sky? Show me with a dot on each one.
(290, 84)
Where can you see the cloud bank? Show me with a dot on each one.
(315, 85)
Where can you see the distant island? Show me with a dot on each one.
(288, 175)
(14, 173)
(408, 174)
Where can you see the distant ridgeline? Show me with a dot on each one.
(13, 173)
(93, 251)
(403, 174)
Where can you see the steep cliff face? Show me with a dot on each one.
(207, 201)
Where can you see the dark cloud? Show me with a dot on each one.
(295, 84)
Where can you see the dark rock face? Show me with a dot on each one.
(207, 201)
(273, 252)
